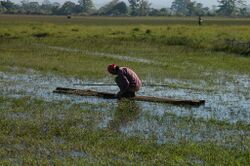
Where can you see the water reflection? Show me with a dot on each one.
(151, 120)
(229, 101)
(125, 112)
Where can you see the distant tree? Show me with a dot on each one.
(206, 11)
(114, 8)
(213, 10)
(134, 5)
(107, 7)
(25, 5)
(198, 10)
(56, 4)
(86, 5)
(188, 8)
(120, 9)
(46, 2)
(67, 8)
(30, 7)
(2, 9)
(191, 8)
(55, 8)
(144, 7)
(180, 7)
(160, 12)
(8, 5)
(34, 5)
(226, 7)
(230, 7)
(46, 7)
(243, 12)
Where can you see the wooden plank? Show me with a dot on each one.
(106, 95)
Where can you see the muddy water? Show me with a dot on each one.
(229, 100)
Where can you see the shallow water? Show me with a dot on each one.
(229, 100)
(173, 130)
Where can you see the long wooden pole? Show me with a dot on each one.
(106, 95)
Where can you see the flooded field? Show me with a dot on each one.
(39, 127)
(227, 100)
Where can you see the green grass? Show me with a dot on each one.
(36, 132)
(48, 133)
(174, 61)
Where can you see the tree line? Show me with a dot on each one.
(120, 8)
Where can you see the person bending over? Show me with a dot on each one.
(126, 79)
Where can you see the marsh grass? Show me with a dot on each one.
(173, 61)
(184, 51)
(34, 131)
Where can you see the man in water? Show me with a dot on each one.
(126, 79)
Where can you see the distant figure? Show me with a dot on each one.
(127, 80)
(68, 17)
(200, 21)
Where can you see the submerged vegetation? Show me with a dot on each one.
(35, 130)
(53, 133)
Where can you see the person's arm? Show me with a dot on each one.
(123, 85)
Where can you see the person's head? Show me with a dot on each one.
(113, 69)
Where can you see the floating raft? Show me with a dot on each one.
(105, 95)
